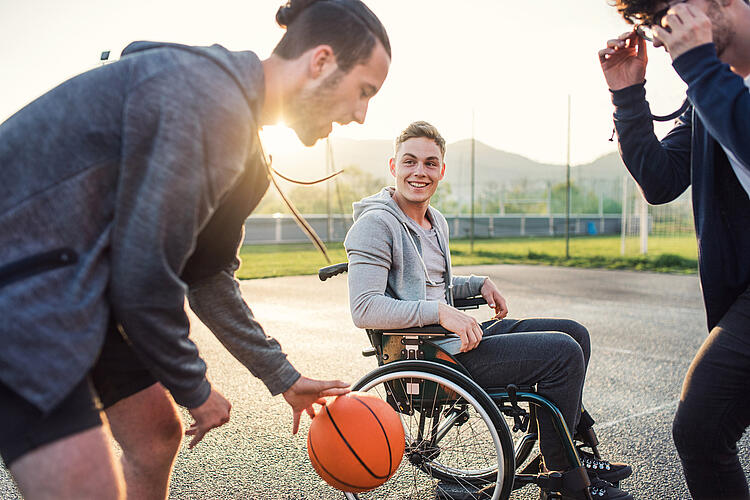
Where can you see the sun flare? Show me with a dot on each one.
(279, 139)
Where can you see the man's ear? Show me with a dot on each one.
(442, 171)
(392, 164)
(322, 59)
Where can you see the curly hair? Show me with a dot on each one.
(640, 10)
(636, 10)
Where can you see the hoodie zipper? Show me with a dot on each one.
(36, 264)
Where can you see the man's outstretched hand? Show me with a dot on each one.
(305, 391)
(211, 414)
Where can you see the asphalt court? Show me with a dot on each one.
(645, 329)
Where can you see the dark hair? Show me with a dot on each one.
(638, 10)
(348, 26)
(632, 10)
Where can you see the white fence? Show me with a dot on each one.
(264, 229)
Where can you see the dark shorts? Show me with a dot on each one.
(117, 375)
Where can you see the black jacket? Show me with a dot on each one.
(691, 155)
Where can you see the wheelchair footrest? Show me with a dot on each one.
(573, 481)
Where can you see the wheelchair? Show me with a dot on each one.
(459, 444)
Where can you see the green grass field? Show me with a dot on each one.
(677, 254)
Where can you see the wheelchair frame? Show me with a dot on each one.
(411, 354)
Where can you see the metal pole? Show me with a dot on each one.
(473, 168)
(644, 226)
(624, 216)
(567, 197)
(329, 225)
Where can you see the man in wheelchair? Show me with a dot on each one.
(400, 276)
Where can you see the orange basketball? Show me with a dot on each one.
(356, 443)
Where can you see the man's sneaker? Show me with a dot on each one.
(600, 490)
(609, 471)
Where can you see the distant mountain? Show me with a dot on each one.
(492, 165)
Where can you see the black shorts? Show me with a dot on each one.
(117, 374)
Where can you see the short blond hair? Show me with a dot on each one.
(420, 129)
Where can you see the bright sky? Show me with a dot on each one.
(513, 62)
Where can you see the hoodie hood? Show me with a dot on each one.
(379, 201)
(244, 67)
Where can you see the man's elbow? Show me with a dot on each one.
(360, 320)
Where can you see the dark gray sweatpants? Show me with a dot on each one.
(552, 354)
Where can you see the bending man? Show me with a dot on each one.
(125, 189)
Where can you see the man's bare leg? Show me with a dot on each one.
(149, 430)
(78, 467)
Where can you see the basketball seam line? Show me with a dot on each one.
(352, 449)
(317, 460)
(385, 434)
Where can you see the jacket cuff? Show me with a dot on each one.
(429, 312)
(193, 398)
(475, 284)
(630, 102)
(282, 378)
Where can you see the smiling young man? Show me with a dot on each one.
(125, 190)
(400, 276)
(708, 149)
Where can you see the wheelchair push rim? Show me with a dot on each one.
(456, 439)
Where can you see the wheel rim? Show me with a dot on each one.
(454, 449)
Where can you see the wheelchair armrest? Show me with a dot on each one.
(469, 302)
(434, 330)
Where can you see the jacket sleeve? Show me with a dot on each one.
(467, 286)
(183, 145)
(661, 168)
(720, 98)
(369, 246)
(218, 302)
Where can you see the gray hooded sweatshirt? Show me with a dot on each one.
(107, 181)
(387, 276)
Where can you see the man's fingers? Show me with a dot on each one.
(295, 420)
(329, 387)
(196, 438)
(670, 21)
(604, 54)
(478, 333)
(464, 341)
(310, 411)
(642, 53)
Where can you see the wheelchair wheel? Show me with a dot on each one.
(457, 443)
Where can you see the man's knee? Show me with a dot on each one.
(683, 440)
(158, 445)
(568, 352)
(147, 427)
(697, 435)
(580, 333)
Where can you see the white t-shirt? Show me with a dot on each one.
(741, 169)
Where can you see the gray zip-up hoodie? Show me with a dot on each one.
(107, 181)
(387, 276)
